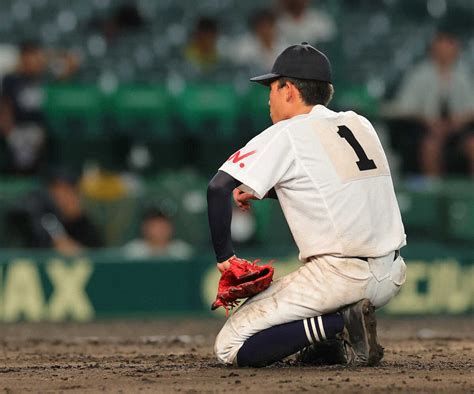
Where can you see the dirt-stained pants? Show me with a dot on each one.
(322, 285)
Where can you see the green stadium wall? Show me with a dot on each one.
(49, 287)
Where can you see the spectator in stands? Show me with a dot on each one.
(124, 18)
(259, 48)
(22, 123)
(298, 23)
(103, 183)
(157, 239)
(201, 52)
(52, 217)
(63, 64)
(8, 59)
(69, 227)
(22, 127)
(438, 95)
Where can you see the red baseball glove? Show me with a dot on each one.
(242, 279)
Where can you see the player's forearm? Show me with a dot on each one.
(219, 212)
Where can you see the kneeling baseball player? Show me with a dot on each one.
(330, 175)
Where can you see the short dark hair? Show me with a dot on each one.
(61, 175)
(29, 46)
(206, 25)
(155, 213)
(445, 34)
(261, 16)
(312, 92)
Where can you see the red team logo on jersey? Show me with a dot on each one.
(236, 157)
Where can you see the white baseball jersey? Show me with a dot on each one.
(332, 180)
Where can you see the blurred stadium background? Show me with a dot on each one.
(115, 114)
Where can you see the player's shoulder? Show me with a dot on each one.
(272, 131)
(322, 112)
(361, 118)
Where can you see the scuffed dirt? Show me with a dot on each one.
(421, 355)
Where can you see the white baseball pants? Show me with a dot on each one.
(322, 285)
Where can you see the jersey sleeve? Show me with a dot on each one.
(262, 163)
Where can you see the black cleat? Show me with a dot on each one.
(360, 331)
(331, 352)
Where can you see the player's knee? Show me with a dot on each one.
(221, 350)
(390, 287)
(224, 349)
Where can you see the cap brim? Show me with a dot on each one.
(266, 79)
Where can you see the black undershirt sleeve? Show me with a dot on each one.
(219, 211)
(272, 194)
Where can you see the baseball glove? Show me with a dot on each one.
(242, 279)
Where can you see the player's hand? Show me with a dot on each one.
(222, 266)
(242, 199)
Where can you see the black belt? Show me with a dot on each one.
(397, 253)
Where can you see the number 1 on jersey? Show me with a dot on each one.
(364, 162)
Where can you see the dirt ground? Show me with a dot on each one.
(421, 355)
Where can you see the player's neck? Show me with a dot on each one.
(300, 110)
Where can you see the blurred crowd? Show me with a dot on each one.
(433, 111)
(430, 119)
(270, 30)
(53, 216)
(24, 133)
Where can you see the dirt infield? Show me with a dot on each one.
(422, 355)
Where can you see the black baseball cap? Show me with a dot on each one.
(301, 61)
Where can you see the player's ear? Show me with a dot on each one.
(290, 91)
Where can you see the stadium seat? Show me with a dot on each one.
(420, 211)
(74, 108)
(459, 205)
(207, 116)
(116, 229)
(357, 98)
(142, 114)
(75, 116)
(142, 111)
(460, 222)
(210, 110)
(256, 111)
(182, 196)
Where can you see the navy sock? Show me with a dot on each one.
(278, 342)
(324, 327)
